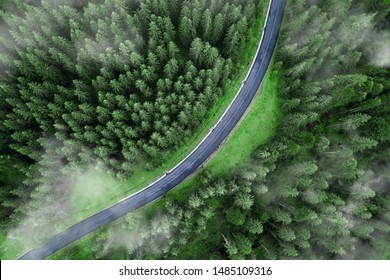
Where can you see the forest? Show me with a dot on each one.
(319, 189)
(92, 81)
(119, 82)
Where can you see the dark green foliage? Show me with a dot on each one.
(117, 80)
(320, 188)
(235, 216)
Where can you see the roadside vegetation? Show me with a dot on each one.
(317, 189)
(141, 175)
(99, 99)
(314, 182)
(265, 105)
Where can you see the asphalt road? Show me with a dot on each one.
(177, 175)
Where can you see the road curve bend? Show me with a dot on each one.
(193, 161)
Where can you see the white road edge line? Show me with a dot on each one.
(220, 119)
(211, 130)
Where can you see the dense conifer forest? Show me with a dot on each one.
(320, 188)
(128, 79)
(118, 81)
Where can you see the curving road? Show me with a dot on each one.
(192, 162)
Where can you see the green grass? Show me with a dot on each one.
(258, 126)
(104, 197)
(10, 249)
(255, 129)
(142, 176)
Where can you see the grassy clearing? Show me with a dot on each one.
(255, 129)
(141, 176)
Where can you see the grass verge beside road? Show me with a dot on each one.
(85, 205)
(255, 129)
(142, 176)
(258, 126)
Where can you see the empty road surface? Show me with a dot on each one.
(188, 166)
